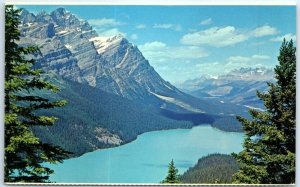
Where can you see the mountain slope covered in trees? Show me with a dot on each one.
(94, 119)
(214, 168)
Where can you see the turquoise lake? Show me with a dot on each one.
(146, 159)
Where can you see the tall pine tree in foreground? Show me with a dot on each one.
(269, 146)
(172, 176)
(24, 153)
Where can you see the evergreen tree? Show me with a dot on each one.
(172, 176)
(24, 153)
(269, 145)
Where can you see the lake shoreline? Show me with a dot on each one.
(122, 144)
(149, 152)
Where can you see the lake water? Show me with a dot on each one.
(146, 159)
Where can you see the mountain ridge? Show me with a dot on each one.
(237, 87)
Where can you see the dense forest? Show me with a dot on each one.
(214, 168)
(227, 123)
(89, 109)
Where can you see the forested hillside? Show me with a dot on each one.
(214, 168)
(95, 119)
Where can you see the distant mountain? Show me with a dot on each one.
(238, 86)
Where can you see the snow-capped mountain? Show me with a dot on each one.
(71, 48)
(260, 74)
(238, 86)
(250, 74)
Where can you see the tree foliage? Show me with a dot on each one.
(24, 152)
(213, 168)
(269, 145)
(172, 176)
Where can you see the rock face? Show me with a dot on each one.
(72, 49)
(129, 73)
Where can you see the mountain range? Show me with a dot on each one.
(114, 93)
(238, 86)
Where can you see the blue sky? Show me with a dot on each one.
(186, 42)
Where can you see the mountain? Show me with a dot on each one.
(238, 86)
(72, 49)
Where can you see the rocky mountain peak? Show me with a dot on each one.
(64, 18)
(73, 50)
(250, 74)
(27, 17)
(59, 12)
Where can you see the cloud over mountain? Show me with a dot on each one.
(215, 36)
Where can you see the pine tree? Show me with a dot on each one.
(172, 176)
(269, 145)
(24, 152)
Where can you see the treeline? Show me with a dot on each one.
(227, 123)
(214, 168)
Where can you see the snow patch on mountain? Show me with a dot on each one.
(255, 108)
(103, 44)
(168, 87)
(178, 103)
(122, 63)
(68, 46)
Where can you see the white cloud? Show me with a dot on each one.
(264, 31)
(134, 36)
(140, 26)
(206, 21)
(227, 36)
(211, 68)
(156, 45)
(238, 59)
(162, 26)
(260, 57)
(104, 22)
(176, 27)
(231, 63)
(287, 37)
(215, 36)
(250, 60)
(110, 32)
(159, 52)
(106, 27)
